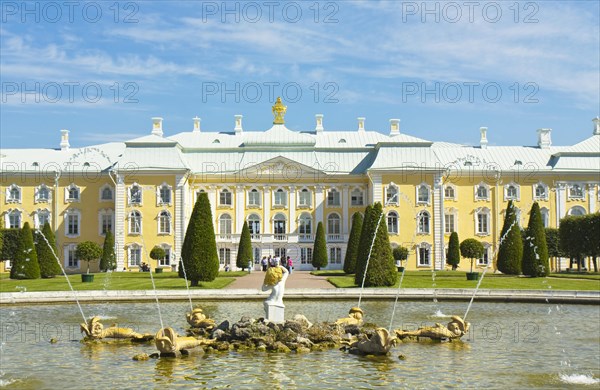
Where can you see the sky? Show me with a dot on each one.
(103, 69)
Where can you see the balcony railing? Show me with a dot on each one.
(225, 236)
(305, 237)
(334, 237)
(255, 237)
(280, 237)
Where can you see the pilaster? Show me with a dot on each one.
(438, 222)
(120, 217)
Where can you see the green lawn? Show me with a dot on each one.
(456, 279)
(114, 281)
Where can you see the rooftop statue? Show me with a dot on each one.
(279, 112)
(455, 329)
(94, 330)
(355, 317)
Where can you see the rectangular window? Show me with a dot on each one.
(72, 224)
(304, 198)
(482, 223)
(333, 198)
(335, 255)
(280, 252)
(280, 198)
(135, 256)
(254, 198)
(14, 220)
(165, 195)
(225, 198)
(71, 260)
(106, 223)
(73, 193)
(42, 218)
(449, 223)
(165, 261)
(225, 256)
(424, 257)
(483, 260)
(305, 255)
(356, 198)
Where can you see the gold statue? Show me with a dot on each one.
(380, 343)
(94, 330)
(279, 112)
(355, 317)
(168, 342)
(197, 319)
(455, 329)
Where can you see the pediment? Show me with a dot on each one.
(282, 167)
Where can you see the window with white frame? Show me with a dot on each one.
(333, 197)
(72, 193)
(164, 222)
(135, 194)
(304, 198)
(449, 222)
(225, 256)
(482, 192)
(391, 194)
(72, 223)
(357, 197)
(511, 192)
(482, 221)
(165, 261)
(134, 255)
(485, 259)
(449, 192)
(335, 255)
(424, 255)
(392, 222)
(254, 225)
(423, 222)
(545, 216)
(334, 225)
(225, 227)
(576, 211)
(13, 194)
(13, 219)
(225, 198)
(105, 221)
(280, 252)
(279, 224)
(540, 191)
(106, 193)
(254, 198)
(576, 191)
(164, 194)
(423, 194)
(305, 226)
(305, 255)
(71, 260)
(42, 194)
(280, 197)
(42, 216)
(135, 222)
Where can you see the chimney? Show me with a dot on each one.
(483, 142)
(196, 124)
(157, 126)
(361, 123)
(238, 124)
(64, 140)
(596, 121)
(394, 127)
(319, 118)
(544, 140)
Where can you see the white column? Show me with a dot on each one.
(319, 205)
(591, 198)
(266, 223)
(561, 202)
(212, 198)
(239, 209)
(345, 206)
(292, 208)
(119, 222)
(438, 222)
(180, 220)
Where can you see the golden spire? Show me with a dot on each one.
(279, 112)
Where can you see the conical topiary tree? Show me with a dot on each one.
(199, 249)
(353, 242)
(46, 251)
(244, 254)
(453, 257)
(26, 264)
(510, 252)
(319, 255)
(381, 271)
(535, 249)
(108, 261)
(372, 215)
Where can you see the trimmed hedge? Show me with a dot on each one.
(353, 242)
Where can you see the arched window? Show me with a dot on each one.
(545, 217)
(279, 228)
(164, 222)
(165, 261)
(254, 226)
(164, 194)
(449, 192)
(333, 197)
(541, 191)
(106, 193)
(424, 255)
(392, 222)
(225, 197)
(42, 193)
(423, 222)
(13, 219)
(135, 194)
(485, 259)
(254, 198)
(280, 197)
(391, 194)
(482, 192)
(423, 194)
(135, 222)
(42, 216)
(13, 194)
(357, 197)
(305, 226)
(511, 192)
(225, 226)
(134, 255)
(304, 198)
(482, 221)
(576, 211)
(334, 223)
(576, 191)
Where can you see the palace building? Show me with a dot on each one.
(285, 182)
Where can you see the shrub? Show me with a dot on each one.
(25, 265)
(381, 271)
(244, 254)
(453, 257)
(319, 258)
(157, 253)
(353, 243)
(46, 252)
(400, 253)
(471, 249)
(372, 214)
(535, 251)
(108, 262)
(10, 243)
(88, 251)
(510, 252)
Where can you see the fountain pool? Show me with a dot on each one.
(509, 346)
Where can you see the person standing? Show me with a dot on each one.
(290, 265)
(264, 263)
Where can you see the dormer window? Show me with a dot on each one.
(342, 141)
(216, 141)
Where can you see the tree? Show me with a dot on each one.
(157, 253)
(572, 241)
(553, 244)
(25, 265)
(535, 249)
(319, 255)
(244, 254)
(11, 239)
(471, 249)
(199, 249)
(46, 252)
(381, 271)
(400, 253)
(372, 214)
(510, 252)
(88, 251)
(108, 262)
(353, 242)
(591, 226)
(453, 257)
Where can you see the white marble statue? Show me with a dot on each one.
(275, 281)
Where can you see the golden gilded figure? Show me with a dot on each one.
(279, 112)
